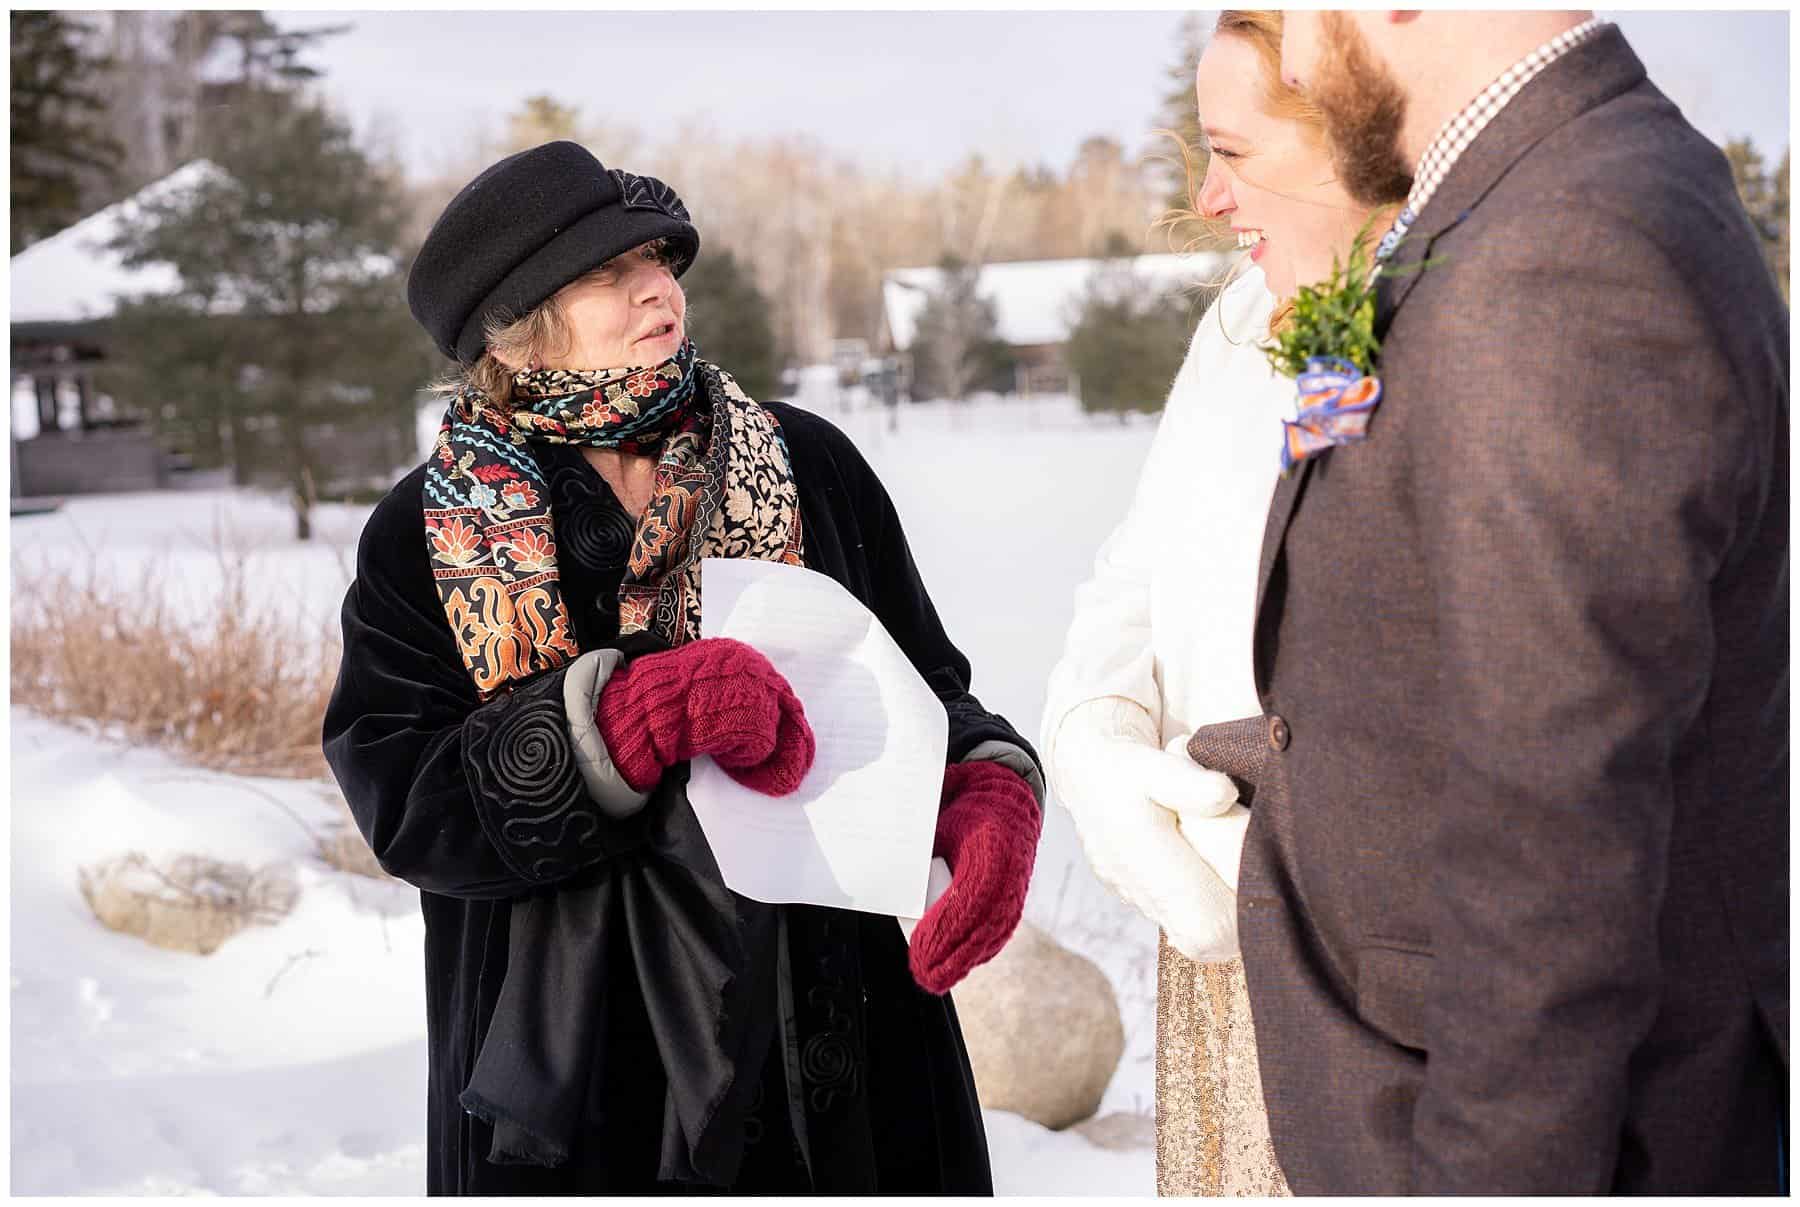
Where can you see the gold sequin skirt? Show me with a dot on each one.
(1212, 1133)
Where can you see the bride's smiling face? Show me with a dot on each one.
(1269, 177)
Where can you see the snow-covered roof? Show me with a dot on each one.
(1034, 300)
(72, 276)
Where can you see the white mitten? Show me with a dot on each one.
(1219, 840)
(1130, 799)
(1216, 837)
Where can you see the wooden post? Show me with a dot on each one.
(48, 420)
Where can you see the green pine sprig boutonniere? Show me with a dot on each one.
(1328, 346)
(1335, 317)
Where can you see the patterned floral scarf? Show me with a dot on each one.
(724, 487)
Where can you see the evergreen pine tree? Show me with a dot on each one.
(1764, 193)
(728, 320)
(58, 123)
(956, 346)
(1183, 152)
(288, 322)
(1128, 339)
(268, 56)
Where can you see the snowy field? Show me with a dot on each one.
(292, 1060)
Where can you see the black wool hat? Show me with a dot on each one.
(526, 227)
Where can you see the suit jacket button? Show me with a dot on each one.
(1278, 733)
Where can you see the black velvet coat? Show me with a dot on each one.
(866, 1084)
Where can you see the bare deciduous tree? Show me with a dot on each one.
(816, 232)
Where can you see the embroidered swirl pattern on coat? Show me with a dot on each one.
(595, 529)
(829, 1063)
(520, 758)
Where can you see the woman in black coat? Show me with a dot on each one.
(523, 686)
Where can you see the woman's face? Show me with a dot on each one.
(628, 313)
(1269, 178)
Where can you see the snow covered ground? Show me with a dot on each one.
(291, 1061)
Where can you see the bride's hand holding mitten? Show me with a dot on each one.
(1153, 823)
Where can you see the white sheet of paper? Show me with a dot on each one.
(857, 834)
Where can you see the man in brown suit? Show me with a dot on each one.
(1514, 896)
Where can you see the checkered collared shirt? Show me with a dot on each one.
(1454, 137)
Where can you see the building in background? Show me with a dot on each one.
(69, 435)
(1036, 303)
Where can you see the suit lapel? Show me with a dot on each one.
(1589, 75)
(1281, 509)
(1398, 278)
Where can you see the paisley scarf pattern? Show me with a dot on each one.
(724, 487)
(627, 409)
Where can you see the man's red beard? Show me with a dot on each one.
(1364, 108)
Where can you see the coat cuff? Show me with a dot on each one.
(531, 800)
(582, 683)
(1015, 759)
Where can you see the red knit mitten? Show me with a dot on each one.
(987, 831)
(713, 696)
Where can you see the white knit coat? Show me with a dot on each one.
(1166, 620)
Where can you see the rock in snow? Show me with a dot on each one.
(1043, 1030)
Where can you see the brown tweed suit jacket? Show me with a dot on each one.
(1515, 891)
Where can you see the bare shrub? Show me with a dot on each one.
(241, 689)
(193, 903)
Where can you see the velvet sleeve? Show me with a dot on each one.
(456, 796)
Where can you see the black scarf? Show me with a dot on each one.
(703, 958)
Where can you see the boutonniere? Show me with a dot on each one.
(1328, 346)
